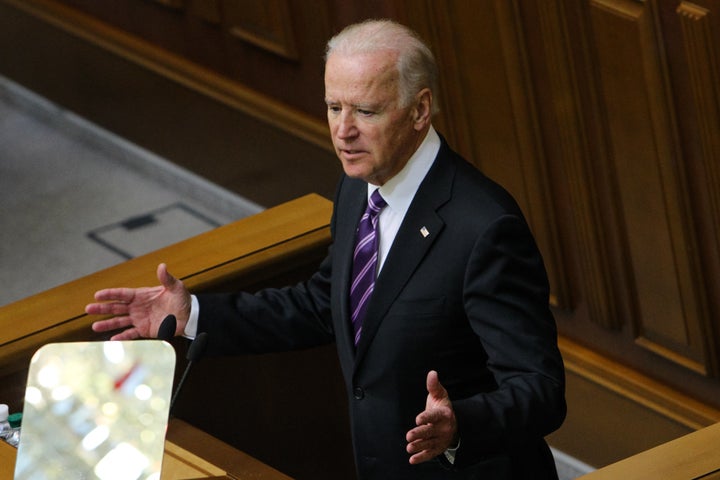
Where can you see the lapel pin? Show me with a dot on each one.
(424, 232)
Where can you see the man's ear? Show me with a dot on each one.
(423, 108)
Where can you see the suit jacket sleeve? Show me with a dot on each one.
(506, 301)
(271, 320)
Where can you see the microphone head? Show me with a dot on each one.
(197, 347)
(167, 328)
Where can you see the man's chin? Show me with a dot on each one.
(356, 170)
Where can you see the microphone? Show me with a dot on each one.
(167, 328)
(195, 351)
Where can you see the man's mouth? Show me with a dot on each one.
(351, 152)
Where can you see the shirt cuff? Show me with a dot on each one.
(451, 452)
(192, 324)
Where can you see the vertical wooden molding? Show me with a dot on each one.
(703, 71)
(573, 139)
(700, 51)
(533, 161)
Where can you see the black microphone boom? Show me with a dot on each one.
(195, 351)
(167, 328)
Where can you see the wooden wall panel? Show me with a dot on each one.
(644, 158)
(266, 24)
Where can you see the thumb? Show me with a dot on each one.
(165, 278)
(434, 387)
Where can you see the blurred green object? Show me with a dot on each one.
(15, 420)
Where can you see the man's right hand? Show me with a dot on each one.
(139, 311)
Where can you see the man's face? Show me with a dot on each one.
(373, 136)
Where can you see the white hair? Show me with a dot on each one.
(415, 62)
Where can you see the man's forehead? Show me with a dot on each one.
(353, 80)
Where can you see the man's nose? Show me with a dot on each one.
(346, 125)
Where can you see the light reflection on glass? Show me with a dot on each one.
(147, 436)
(143, 392)
(110, 409)
(61, 392)
(114, 352)
(145, 419)
(33, 396)
(96, 410)
(97, 436)
(124, 462)
(48, 376)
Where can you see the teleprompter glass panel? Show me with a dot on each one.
(96, 410)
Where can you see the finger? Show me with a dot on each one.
(115, 294)
(425, 449)
(424, 446)
(111, 324)
(423, 456)
(417, 433)
(129, 334)
(113, 308)
(435, 415)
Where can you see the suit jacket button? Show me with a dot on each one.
(359, 393)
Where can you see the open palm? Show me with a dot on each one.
(139, 311)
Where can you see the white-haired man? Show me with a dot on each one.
(443, 331)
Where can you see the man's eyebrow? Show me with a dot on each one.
(375, 107)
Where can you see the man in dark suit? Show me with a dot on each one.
(443, 330)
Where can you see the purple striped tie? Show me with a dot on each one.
(365, 262)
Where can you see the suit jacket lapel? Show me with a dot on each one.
(410, 245)
(355, 201)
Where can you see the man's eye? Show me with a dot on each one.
(333, 108)
(365, 113)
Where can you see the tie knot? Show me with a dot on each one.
(376, 202)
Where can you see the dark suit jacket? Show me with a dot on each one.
(469, 300)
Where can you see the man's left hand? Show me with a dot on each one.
(436, 429)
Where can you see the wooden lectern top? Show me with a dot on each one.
(190, 454)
